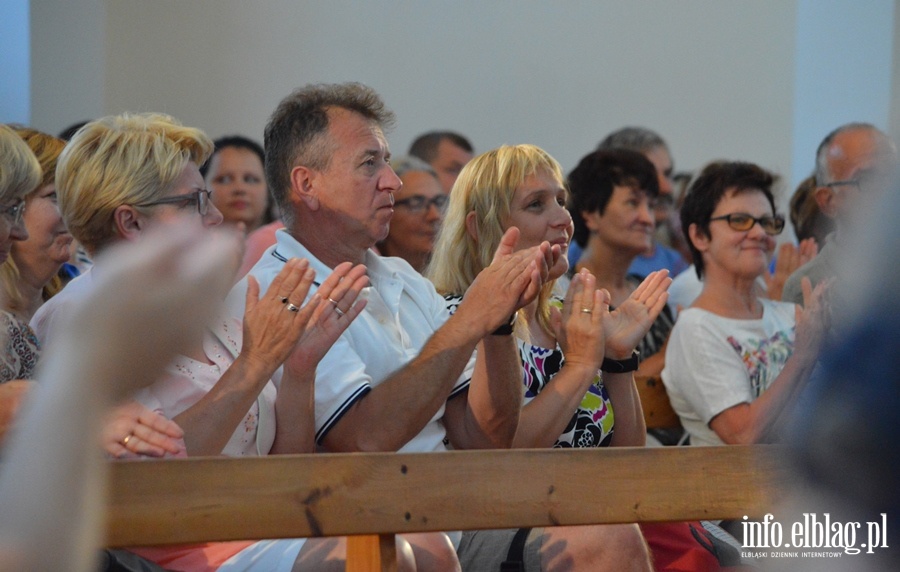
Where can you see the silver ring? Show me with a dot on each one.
(292, 308)
(340, 312)
(586, 311)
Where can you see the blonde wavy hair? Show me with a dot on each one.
(486, 186)
(46, 149)
(126, 159)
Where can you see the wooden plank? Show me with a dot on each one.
(209, 499)
(372, 553)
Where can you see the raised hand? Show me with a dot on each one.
(274, 323)
(790, 258)
(579, 326)
(813, 319)
(512, 281)
(629, 323)
(338, 306)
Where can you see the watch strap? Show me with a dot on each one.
(621, 365)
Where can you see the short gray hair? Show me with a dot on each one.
(638, 139)
(409, 164)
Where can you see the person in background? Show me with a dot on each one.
(736, 362)
(26, 271)
(20, 173)
(807, 219)
(660, 253)
(447, 153)
(418, 211)
(612, 193)
(851, 164)
(236, 179)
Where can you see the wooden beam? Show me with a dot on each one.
(371, 553)
(211, 499)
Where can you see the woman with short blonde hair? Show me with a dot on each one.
(152, 149)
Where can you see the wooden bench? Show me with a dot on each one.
(382, 494)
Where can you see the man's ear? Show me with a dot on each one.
(472, 225)
(825, 199)
(698, 239)
(305, 186)
(128, 223)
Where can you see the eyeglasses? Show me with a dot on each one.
(866, 180)
(772, 225)
(13, 214)
(419, 203)
(200, 196)
(847, 183)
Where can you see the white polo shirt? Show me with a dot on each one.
(402, 313)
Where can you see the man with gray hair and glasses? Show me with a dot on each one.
(418, 212)
(853, 165)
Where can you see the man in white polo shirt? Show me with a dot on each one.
(402, 377)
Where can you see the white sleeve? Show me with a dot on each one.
(341, 380)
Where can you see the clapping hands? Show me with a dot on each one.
(627, 325)
(512, 281)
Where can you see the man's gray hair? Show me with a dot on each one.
(409, 164)
(296, 131)
(638, 139)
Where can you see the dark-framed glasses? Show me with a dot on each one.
(13, 214)
(420, 203)
(200, 196)
(772, 225)
(875, 179)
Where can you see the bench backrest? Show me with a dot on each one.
(212, 499)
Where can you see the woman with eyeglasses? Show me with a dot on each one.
(119, 179)
(20, 176)
(418, 212)
(736, 361)
(29, 275)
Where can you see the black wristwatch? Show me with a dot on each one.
(507, 328)
(621, 365)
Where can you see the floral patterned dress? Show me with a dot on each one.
(22, 349)
(593, 422)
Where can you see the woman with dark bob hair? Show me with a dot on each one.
(736, 361)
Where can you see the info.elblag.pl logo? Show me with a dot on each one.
(814, 533)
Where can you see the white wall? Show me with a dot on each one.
(15, 63)
(68, 49)
(843, 71)
(717, 79)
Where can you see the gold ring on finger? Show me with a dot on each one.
(587, 311)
